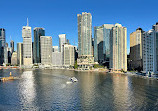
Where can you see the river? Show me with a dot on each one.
(49, 90)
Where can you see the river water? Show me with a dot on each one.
(46, 90)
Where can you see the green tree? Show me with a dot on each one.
(75, 65)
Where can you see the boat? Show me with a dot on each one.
(73, 79)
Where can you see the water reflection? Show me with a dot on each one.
(87, 86)
(121, 92)
(49, 90)
(27, 90)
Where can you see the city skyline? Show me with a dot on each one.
(64, 21)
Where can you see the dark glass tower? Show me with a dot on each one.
(12, 45)
(37, 50)
(2, 45)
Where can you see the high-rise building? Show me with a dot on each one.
(102, 43)
(27, 45)
(118, 48)
(68, 55)
(136, 49)
(57, 58)
(12, 45)
(76, 52)
(55, 49)
(46, 49)
(9, 50)
(33, 52)
(5, 55)
(2, 45)
(155, 27)
(37, 48)
(93, 47)
(2, 37)
(149, 51)
(62, 41)
(3, 49)
(85, 57)
(20, 54)
(14, 58)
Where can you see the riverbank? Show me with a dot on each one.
(92, 70)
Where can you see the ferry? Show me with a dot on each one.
(73, 79)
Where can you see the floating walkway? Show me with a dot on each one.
(8, 78)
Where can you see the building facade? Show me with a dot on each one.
(102, 44)
(27, 45)
(118, 48)
(68, 55)
(14, 58)
(9, 50)
(37, 48)
(55, 49)
(57, 59)
(62, 41)
(136, 49)
(149, 51)
(12, 45)
(46, 49)
(3, 48)
(2, 45)
(20, 54)
(85, 57)
(155, 27)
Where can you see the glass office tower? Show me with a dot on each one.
(37, 50)
(102, 44)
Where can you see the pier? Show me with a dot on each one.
(7, 78)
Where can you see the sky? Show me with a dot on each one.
(60, 16)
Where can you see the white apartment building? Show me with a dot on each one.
(118, 48)
(149, 51)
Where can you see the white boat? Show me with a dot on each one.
(73, 79)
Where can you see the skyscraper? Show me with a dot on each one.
(19, 54)
(149, 51)
(9, 50)
(2, 45)
(85, 57)
(62, 41)
(68, 55)
(12, 45)
(57, 59)
(118, 48)
(102, 43)
(37, 50)
(46, 49)
(136, 49)
(27, 45)
(5, 54)
(155, 27)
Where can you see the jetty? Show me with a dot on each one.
(7, 78)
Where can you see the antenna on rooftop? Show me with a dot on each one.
(27, 22)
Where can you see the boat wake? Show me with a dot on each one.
(68, 82)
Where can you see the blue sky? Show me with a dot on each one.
(60, 16)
